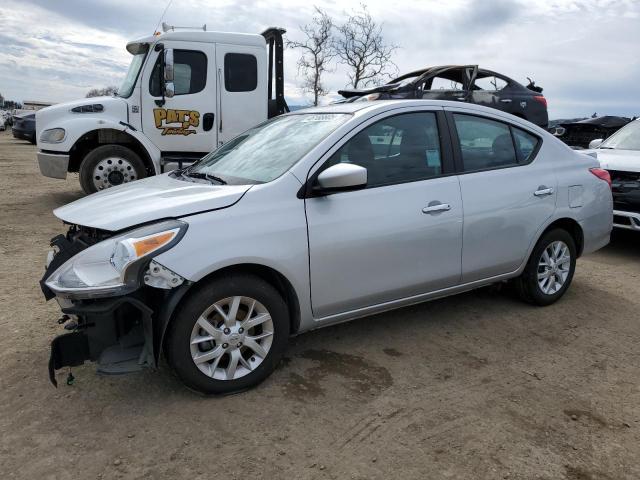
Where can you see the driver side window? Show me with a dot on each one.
(190, 73)
(398, 149)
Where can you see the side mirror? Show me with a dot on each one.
(168, 74)
(596, 143)
(341, 177)
(168, 64)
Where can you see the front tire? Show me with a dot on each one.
(229, 335)
(108, 166)
(550, 269)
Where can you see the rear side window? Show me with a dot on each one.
(486, 143)
(240, 72)
(526, 145)
(189, 73)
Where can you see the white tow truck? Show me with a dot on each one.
(185, 94)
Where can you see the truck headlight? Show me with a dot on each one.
(114, 266)
(53, 135)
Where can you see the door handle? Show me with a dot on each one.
(207, 121)
(438, 207)
(543, 191)
(506, 100)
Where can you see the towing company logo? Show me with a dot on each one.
(165, 119)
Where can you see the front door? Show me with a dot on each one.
(187, 121)
(399, 237)
(508, 194)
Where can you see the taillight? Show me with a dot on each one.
(541, 99)
(602, 175)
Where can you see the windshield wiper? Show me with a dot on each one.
(206, 176)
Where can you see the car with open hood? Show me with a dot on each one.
(314, 218)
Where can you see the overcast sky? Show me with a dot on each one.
(585, 53)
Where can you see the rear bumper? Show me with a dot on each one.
(627, 220)
(23, 134)
(53, 165)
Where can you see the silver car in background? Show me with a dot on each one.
(620, 156)
(314, 218)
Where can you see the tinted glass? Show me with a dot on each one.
(189, 73)
(240, 72)
(398, 149)
(267, 151)
(484, 143)
(525, 144)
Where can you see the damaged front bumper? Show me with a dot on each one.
(116, 333)
(121, 333)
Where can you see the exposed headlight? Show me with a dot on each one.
(114, 266)
(53, 135)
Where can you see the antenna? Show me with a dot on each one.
(166, 27)
(162, 16)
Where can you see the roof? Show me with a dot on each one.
(233, 38)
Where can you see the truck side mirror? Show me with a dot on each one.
(168, 74)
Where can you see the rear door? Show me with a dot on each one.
(488, 90)
(449, 83)
(242, 99)
(185, 122)
(507, 191)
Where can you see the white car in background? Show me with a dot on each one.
(620, 156)
(3, 126)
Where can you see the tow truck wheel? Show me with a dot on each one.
(229, 335)
(108, 166)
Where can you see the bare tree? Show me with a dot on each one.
(360, 46)
(317, 51)
(99, 92)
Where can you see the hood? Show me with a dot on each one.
(146, 200)
(57, 115)
(620, 160)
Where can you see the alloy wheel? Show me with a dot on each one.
(553, 267)
(231, 338)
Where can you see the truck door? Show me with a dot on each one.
(242, 99)
(186, 122)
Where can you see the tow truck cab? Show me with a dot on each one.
(185, 94)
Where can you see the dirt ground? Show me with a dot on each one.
(478, 386)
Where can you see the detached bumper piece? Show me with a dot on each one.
(116, 333)
(68, 350)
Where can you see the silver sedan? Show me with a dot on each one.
(318, 217)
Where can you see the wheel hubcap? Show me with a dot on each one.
(553, 267)
(113, 171)
(231, 338)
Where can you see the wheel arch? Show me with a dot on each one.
(107, 136)
(268, 274)
(572, 227)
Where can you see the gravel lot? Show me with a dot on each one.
(474, 386)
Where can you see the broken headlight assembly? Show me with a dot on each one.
(114, 266)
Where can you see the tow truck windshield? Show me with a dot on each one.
(126, 88)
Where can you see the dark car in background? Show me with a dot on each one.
(579, 133)
(24, 127)
(464, 83)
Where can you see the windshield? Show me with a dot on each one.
(627, 138)
(126, 88)
(267, 151)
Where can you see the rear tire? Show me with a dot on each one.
(548, 272)
(209, 349)
(108, 166)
